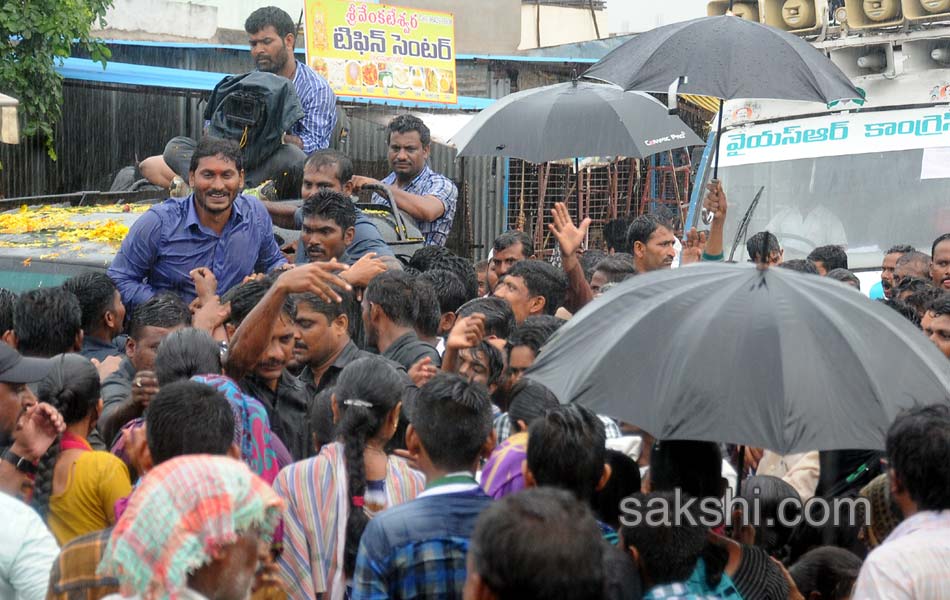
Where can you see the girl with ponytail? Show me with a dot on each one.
(76, 488)
(330, 498)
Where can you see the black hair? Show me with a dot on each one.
(423, 258)
(542, 279)
(395, 294)
(753, 246)
(900, 249)
(615, 234)
(534, 332)
(330, 310)
(940, 306)
(448, 288)
(913, 285)
(244, 297)
(828, 571)
(96, 295)
(616, 268)
(462, 269)
(907, 311)
(331, 205)
(494, 359)
(164, 310)
(187, 417)
(918, 444)
(844, 276)
(7, 301)
(509, 559)
(273, 17)
(643, 227)
(426, 312)
(46, 321)
(801, 265)
(942, 238)
(373, 381)
(589, 260)
(770, 493)
(213, 146)
(499, 318)
(406, 123)
(184, 353)
(694, 467)
(331, 158)
(510, 238)
(918, 261)
(624, 481)
(453, 419)
(320, 415)
(566, 450)
(921, 300)
(831, 256)
(530, 400)
(71, 387)
(668, 552)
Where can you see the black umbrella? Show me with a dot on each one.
(568, 120)
(728, 58)
(731, 353)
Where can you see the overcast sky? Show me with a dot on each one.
(642, 15)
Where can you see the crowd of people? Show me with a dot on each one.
(216, 418)
(209, 421)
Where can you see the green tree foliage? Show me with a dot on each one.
(34, 35)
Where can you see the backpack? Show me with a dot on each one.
(253, 109)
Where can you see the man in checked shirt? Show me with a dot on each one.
(420, 192)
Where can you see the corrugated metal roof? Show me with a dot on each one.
(82, 69)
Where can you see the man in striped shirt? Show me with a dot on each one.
(272, 36)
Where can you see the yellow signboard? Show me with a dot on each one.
(380, 51)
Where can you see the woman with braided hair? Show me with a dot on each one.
(330, 498)
(76, 488)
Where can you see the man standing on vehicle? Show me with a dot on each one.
(215, 227)
(420, 192)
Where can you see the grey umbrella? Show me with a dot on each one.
(568, 120)
(730, 353)
(725, 57)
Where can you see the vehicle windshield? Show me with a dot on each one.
(865, 202)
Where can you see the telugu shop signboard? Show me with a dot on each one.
(380, 51)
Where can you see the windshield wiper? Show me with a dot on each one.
(744, 224)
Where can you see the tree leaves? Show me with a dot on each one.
(33, 34)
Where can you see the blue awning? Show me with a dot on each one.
(81, 69)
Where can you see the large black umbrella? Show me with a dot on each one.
(568, 120)
(730, 353)
(728, 58)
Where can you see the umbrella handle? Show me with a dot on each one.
(718, 135)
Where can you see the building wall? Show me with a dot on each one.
(482, 27)
(559, 25)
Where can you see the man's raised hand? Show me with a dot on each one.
(317, 278)
(569, 236)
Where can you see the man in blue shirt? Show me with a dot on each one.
(420, 192)
(418, 549)
(215, 227)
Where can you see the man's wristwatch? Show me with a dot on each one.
(23, 465)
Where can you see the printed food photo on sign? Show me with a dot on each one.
(370, 75)
(371, 50)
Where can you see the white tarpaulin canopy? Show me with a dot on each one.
(9, 127)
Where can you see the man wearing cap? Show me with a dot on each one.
(27, 428)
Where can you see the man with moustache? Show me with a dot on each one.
(215, 227)
(272, 36)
